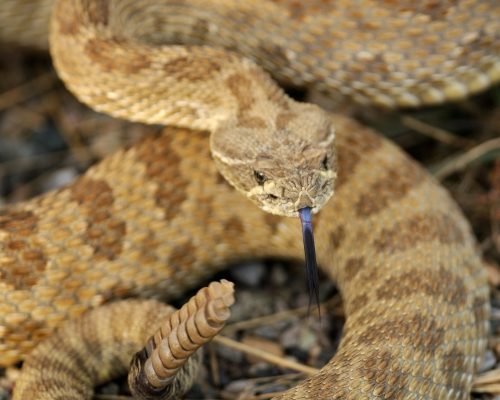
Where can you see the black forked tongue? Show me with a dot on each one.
(310, 253)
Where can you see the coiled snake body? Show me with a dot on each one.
(149, 222)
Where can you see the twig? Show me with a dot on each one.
(494, 388)
(27, 90)
(280, 316)
(263, 355)
(459, 162)
(214, 364)
(492, 376)
(435, 133)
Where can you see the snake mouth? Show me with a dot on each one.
(287, 206)
(282, 206)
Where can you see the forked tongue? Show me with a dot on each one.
(310, 253)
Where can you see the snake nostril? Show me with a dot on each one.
(272, 196)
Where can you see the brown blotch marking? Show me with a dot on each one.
(272, 221)
(24, 261)
(163, 167)
(426, 336)
(252, 122)
(105, 233)
(352, 267)
(393, 186)
(480, 309)
(200, 29)
(182, 256)
(234, 226)
(284, 118)
(274, 53)
(436, 10)
(385, 376)
(441, 284)
(18, 222)
(337, 237)
(351, 147)
(97, 11)
(117, 56)
(67, 18)
(273, 92)
(241, 88)
(220, 180)
(358, 302)
(299, 10)
(454, 361)
(424, 227)
(194, 68)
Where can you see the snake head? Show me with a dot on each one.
(283, 163)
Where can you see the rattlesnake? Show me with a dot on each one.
(156, 218)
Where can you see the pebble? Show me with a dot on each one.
(61, 177)
(239, 386)
(489, 361)
(249, 274)
(299, 336)
(252, 303)
(279, 275)
(110, 389)
(272, 331)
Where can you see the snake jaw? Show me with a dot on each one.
(287, 196)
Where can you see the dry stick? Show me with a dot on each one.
(488, 382)
(283, 315)
(492, 389)
(457, 163)
(492, 376)
(263, 355)
(435, 133)
(27, 90)
(214, 364)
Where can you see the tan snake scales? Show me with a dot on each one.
(149, 222)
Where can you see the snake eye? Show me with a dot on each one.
(259, 177)
(324, 163)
